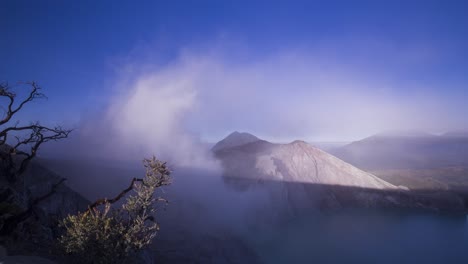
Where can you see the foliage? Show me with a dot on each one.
(106, 235)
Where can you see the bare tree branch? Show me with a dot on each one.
(155, 169)
(117, 198)
(11, 222)
(15, 158)
(19, 145)
(5, 91)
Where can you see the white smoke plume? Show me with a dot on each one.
(168, 110)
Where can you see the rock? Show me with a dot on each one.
(297, 162)
(38, 229)
(3, 252)
(300, 178)
(386, 151)
(25, 260)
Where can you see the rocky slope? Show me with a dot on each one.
(300, 176)
(296, 162)
(406, 151)
(36, 234)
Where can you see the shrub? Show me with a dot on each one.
(103, 234)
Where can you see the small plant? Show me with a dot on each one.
(106, 235)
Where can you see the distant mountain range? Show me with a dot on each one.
(403, 150)
(458, 133)
(246, 156)
(303, 176)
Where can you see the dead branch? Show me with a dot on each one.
(16, 156)
(11, 222)
(31, 136)
(153, 167)
(115, 199)
(5, 91)
(37, 136)
(47, 195)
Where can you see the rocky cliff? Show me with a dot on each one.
(36, 202)
(300, 176)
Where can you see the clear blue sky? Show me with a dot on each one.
(73, 48)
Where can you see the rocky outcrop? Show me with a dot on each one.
(26, 260)
(4, 258)
(31, 209)
(301, 177)
(297, 162)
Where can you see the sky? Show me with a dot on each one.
(159, 72)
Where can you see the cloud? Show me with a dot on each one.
(292, 95)
(169, 109)
(150, 118)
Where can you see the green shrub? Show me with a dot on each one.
(103, 234)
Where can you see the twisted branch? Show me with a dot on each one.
(115, 199)
(33, 135)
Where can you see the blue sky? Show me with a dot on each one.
(317, 70)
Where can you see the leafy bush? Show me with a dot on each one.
(106, 235)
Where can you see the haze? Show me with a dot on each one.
(297, 131)
(205, 71)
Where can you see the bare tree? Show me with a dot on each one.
(19, 144)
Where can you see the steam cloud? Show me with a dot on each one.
(169, 110)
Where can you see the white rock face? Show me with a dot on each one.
(307, 164)
(296, 162)
(300, 178)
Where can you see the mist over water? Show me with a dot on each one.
(209, 208)
(207, 218)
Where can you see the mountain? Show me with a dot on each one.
(457, 133)
(234, 139)
(403, 134)
(299, 177)
(294, 162)
(328, 145)
(406, 151)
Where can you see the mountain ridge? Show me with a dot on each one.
(403, 152)
(297, 161)
(234, 139)
(300, 177)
